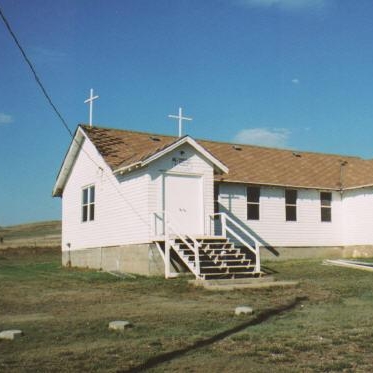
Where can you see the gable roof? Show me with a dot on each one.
(219, 167)
(125, 151)
(246, 163)
(278, 167)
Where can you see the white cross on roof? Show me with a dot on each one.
(180, 118)
(90, 101)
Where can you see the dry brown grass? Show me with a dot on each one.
(33, 235)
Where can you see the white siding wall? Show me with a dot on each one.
(195, 164)
(358, 216)
(121, 208)
(124, 208)
(273, 229)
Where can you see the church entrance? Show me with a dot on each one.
(183, 201)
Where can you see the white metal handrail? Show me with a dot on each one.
(194, 248)
(255, 250)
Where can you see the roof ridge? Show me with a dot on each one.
(86, 126)
(284, 149)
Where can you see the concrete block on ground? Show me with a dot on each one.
(119, 325)
(243, 309)
(10, 334)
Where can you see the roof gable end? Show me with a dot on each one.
(219, 166)
(69, 161)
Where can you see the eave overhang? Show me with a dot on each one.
(68, 163)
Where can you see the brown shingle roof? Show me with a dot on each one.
(246, 163)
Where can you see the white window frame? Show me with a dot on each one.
(251, 204)
(324, 207)
(291, 205)
(88, 215)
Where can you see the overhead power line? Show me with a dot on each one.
(31, 66)
(49, 99)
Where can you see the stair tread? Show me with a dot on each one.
(226, 260)
(230, 267)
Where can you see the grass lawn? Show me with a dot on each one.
(64, 314)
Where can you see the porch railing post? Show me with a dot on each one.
(196, 254)
(167, 256)
(224, 225)
(257, 258)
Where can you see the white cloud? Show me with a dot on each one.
(274, 137)
(286, 4)
(295, 81)
(5, 118)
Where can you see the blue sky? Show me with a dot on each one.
(286, 73)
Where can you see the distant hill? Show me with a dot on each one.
(40, 234)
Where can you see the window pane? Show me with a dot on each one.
(91, 211)
(92, 194)
(291, 213)
(85, 196)
(326, 198)
(85, 213)
(253, 212)
(253, 194)
(326, 214)
(290, 197)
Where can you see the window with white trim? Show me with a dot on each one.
(253, 198)
(291, 196)
(326, 206)
(88, 203)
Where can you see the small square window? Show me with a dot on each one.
(291, 213)
(253, 212)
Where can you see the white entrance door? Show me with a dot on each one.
(184, 203)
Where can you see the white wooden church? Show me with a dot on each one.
(154, 204)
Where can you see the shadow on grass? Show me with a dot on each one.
(260, 318)
(267, 270)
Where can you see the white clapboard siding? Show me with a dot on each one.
(195, 164)
(272, 227)
(121, 208)
(358, 216)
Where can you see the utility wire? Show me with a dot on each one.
(49, 99)
(38, 81)
(40, 84)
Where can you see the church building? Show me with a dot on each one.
(154, 204)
